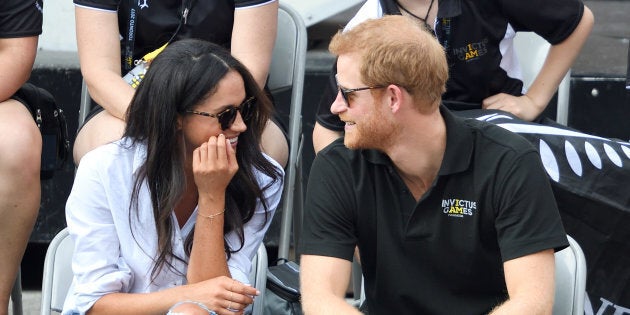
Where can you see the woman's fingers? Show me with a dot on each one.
(231, 158)
(239, 296)
(212, 150)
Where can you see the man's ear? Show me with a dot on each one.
(395, 97)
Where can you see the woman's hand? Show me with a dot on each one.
(521, 106)
(223, 295)
(214, 165)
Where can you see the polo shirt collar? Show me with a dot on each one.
(459, 146)
(449, 8)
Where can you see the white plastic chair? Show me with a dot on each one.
(532, 51)
(258, 278)
(570, 281)
(16, 294)
(57, 278)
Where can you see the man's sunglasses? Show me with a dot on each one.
(346, 92)
(228, 116)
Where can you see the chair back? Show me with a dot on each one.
(570, 280)
(258, 278)
(532, 51)
(57, 277)
(288, 66)
(58, 274)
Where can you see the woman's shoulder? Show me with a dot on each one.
(264, 177)
(114, 154)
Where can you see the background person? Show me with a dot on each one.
(178, 207)
(451, 215)
(483, 65)
(113, 34)
(20, 139)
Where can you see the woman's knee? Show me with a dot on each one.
(101, 129)
(20, 140)
(274, 143)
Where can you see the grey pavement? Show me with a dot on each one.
(31, 300)
(606, 50)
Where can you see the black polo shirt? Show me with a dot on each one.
(20, 18)
(490, 203)
(477, 37)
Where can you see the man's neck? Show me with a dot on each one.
(417, 154)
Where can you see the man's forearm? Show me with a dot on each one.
(327, 304)
(517, 307)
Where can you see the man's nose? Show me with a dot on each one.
(339, 104)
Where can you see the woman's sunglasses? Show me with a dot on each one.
(228, 116)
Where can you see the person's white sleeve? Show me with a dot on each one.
(96, 263)
(240, 263)
(371, 9)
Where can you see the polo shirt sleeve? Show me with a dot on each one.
(329, 209)
(527, 219)
(109, 5)
(554, 20)
(239, 4)
(20, 18)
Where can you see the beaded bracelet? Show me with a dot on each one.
(212, 216)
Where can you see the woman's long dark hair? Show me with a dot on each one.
(181, 77)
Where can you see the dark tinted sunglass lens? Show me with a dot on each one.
(247, 108)
(345, 96)
(227, 117)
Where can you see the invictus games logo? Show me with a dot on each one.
(458, 207)
(471, 51)
(143, 4)
(38, 6)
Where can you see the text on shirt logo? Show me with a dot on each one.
(458, 207)
(471, 51)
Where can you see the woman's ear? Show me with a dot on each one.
(179, 122)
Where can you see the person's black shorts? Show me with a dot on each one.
(51, 122)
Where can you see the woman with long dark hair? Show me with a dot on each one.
(177, 208)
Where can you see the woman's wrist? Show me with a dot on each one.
(183, 307)
(212, 216)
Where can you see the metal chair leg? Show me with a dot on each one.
(16, 294)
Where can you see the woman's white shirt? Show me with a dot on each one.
(109, 256)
